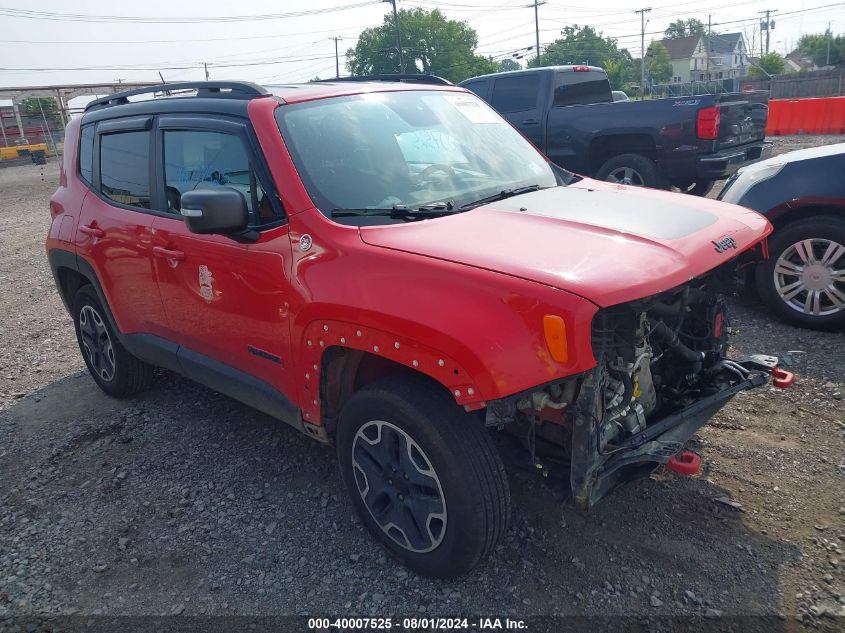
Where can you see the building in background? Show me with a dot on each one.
(707, 57)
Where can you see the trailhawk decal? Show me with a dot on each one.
(206, 280)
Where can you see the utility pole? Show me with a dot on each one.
(827, 63)
(537, 26)
(642, 13)
(769, 25)
(204, 65)
(398, 35)
(707, 48)
(336, 56)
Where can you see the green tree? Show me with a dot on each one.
(508, 64)
(30, 105)
(431, 44)
(584, 45)
(658, 63)
(816, 45)
(772, 63)
(684, 28)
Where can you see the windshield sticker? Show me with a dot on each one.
(473, 109)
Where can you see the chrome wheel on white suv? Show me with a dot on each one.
(804, 278)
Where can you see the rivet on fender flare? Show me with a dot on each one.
(396, 345)
(470, 391)
(358, 333)
(375, 348)
(415, 363)
(440, 362)
(343, 339)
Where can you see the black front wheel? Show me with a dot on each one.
(423, 475)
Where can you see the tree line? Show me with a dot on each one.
(434, 44)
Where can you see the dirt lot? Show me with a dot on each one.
(183, 501)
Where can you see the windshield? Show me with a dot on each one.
(407, 149)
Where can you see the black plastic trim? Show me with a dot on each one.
(205, 89)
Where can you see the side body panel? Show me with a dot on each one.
(228, 300)
(485, 327)
(815, 182)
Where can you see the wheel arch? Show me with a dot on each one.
(345, 371)
(605, 147)
(795, 211)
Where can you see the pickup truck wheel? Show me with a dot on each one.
(629, 169)
(694, 188)
(115, 370)
(803, 280)
(424, 476)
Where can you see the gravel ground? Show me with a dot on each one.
(182, 501)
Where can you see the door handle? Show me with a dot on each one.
(167, 253)
(93, 231)
(531, 122)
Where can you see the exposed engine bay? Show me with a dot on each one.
(659, 355)
(662, 371)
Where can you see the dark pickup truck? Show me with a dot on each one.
(685, 143)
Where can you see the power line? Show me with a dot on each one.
(81, 17)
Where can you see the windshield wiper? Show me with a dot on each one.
(433, 210)
(505, 193)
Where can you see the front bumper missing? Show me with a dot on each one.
(595, 474)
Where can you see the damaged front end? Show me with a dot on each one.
(662, 372)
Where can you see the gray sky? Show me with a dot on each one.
(297, 48)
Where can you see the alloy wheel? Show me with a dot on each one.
(399, 486)
(809, 276)
(626, 176)
(96, 342)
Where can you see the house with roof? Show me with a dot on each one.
(707, 57)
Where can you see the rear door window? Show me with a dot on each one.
(515, 94)
(125, 168)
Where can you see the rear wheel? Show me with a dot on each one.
(115, 370)
(424, 476)
(629, 169)
(804, 278)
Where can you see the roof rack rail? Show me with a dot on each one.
(404, 77)
(233, 90)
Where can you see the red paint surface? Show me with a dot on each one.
(461, 298)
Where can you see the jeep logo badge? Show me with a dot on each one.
(724, 244)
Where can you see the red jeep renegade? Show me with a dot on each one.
(391, 267)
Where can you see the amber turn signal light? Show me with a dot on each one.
(555, 330)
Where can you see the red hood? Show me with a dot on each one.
(607, 243)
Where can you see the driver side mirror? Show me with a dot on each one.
(216, 210)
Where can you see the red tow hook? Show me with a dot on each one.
(685, 463)
(782, 379)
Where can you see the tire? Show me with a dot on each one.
(115, 370)
(793, 296)
(441, 451)
(694, 188)
(629, 169)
